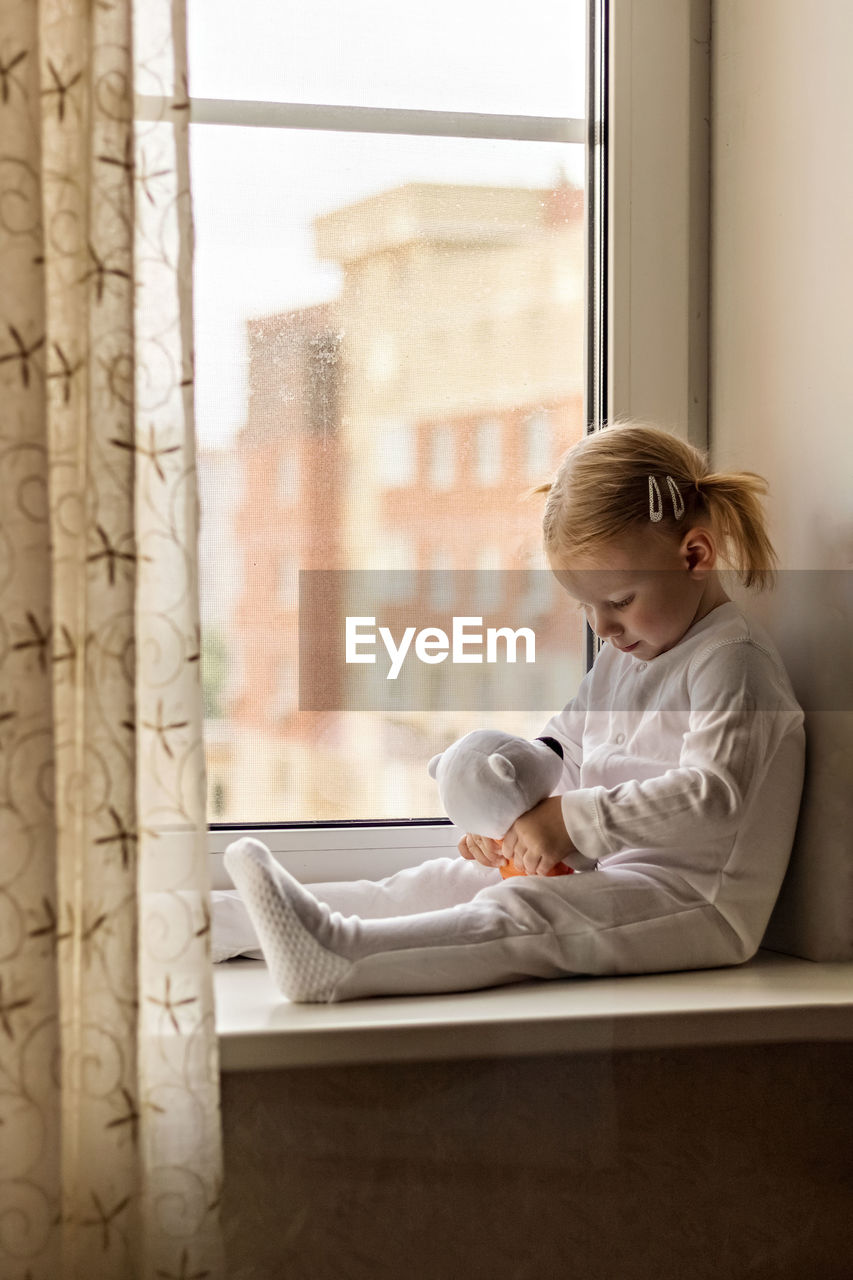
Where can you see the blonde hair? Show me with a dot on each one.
(602, 490)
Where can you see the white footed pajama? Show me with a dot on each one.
(619, 921)
(682, 776)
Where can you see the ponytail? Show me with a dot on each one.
(733, 500)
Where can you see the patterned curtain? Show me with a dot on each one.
(109, 1120)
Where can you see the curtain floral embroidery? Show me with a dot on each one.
(109, 1124)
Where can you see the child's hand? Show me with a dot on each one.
(538, 840)
(487, 852)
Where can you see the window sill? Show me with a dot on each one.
(773, 998)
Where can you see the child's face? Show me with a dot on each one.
(644, 593)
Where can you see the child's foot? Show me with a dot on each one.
(292, 925)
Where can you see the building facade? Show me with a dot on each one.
(396, 429)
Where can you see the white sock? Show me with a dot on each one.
(294, 928)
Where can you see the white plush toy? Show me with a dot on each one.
(488, 779)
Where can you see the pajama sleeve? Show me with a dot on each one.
(567, 727)
(738, 714)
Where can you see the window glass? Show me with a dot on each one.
(442, 448)
(489, 442)
(394, 461)
(442, 55)
(288, 478)
(489, 583)
(378, 326)
(441, 578)
(538, 445)
(288, 581)
(392, 562)
(285, 699)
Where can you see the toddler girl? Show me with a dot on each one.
(683, 762)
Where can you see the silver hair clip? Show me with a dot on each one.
(656, 501)
(677, 500)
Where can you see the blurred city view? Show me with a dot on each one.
(396, 427)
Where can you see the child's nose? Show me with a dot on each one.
(605, 627)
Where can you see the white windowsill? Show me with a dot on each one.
(773, 998)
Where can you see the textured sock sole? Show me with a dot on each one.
(301, 967)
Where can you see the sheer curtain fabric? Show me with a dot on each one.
(109, 1120)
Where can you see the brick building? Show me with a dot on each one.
(395, 428)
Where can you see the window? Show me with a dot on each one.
(391, 566)
(394, 459)
(488, 456)
(442, 450)
(537, 441)
(490, 581)
(393, 285)
(288, 582)
(378, 217)
(441, 578)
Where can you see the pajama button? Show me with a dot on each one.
(620, 738)
(641, 666)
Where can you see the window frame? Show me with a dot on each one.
(646, 281)
(317, 852)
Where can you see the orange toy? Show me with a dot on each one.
(510, 869)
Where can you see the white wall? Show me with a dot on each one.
(781, 386)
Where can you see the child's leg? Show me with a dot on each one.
(429, 886)
(607, 921)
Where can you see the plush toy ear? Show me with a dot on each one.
(503, 768)
(433, 765)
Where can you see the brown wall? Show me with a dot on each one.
(720, 1163)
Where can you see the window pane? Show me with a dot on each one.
(389, 338)
(442, 447)
(538, 433)
(395, 463)
(517, 57)
(489, 463)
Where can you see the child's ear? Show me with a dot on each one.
(699, 550)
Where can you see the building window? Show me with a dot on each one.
(392, 566)
(442, 458)
(441, 589)
(488, 456)
(490, 585)
(394, 461)
(538, 445)
(287, 595)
